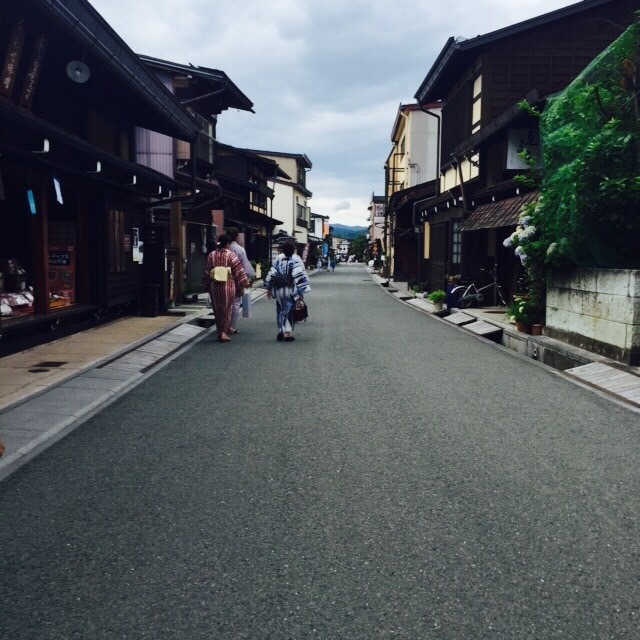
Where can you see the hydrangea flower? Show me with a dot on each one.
(525, 221)
(552, 248)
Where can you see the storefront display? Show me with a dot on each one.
(16, 299)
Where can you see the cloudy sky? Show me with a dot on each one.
(325, 76)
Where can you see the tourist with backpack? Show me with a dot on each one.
(286, 282)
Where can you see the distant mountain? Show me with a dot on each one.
(348, 233)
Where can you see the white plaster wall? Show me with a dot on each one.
(600, 304)
(283, 208)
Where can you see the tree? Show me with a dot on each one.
(359, 246)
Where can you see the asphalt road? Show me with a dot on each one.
(384, 476)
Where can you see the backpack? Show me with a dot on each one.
(281, 280)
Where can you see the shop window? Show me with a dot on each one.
(16, 273)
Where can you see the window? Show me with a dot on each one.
(302, 176)
(456, 242)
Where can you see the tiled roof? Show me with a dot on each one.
(502, 213)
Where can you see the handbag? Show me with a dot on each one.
(220, 274)
(246, 305)
(300, 311)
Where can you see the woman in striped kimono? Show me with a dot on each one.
(287, 282)
(223, 293)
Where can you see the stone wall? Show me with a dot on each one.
(597, 310)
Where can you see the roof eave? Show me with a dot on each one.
(89, 27)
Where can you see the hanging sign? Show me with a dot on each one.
(32, 201)
(12, 59)
(56, 185)
(31, 79)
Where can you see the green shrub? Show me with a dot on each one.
(437, 296)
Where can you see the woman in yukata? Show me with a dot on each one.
(223, 293)
(287, 282)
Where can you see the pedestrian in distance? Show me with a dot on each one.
(222, 290)
(286, 282)
(238, 249)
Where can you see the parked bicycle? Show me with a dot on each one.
(469, 295)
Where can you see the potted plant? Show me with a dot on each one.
(524, 312)
(437, 298)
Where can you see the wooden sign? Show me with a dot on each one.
(12, 59)
(31, 79)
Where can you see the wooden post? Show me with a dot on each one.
(39, 232)
(175, 240)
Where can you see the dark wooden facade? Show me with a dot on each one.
(74, 199)
(214, 177)
(530, 60)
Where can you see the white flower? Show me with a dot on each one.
(552, 248)
(518, 250)
(527, 233)
(525, 221)
(523, 257)
(507, 242)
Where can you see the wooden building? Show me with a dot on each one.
(73, 199)
(481, 81)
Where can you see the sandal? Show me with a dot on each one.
(224, 338)
(280, 337)
(289, 338)
(233, 331)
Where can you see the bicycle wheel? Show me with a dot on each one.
(469, 297)
(455, 294)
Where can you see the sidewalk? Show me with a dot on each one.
(46, 391)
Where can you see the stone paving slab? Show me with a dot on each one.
(459, 318)
(97, 384)
(110, 373)
(68, 401)
(15, 439)
(482, 328)
(424, 304)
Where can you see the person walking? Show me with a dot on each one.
(238, 249)
(287, 282)
(223, 291)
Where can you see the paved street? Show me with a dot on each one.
(384, 476)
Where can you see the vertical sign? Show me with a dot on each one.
(12, 59)
(31, 79)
